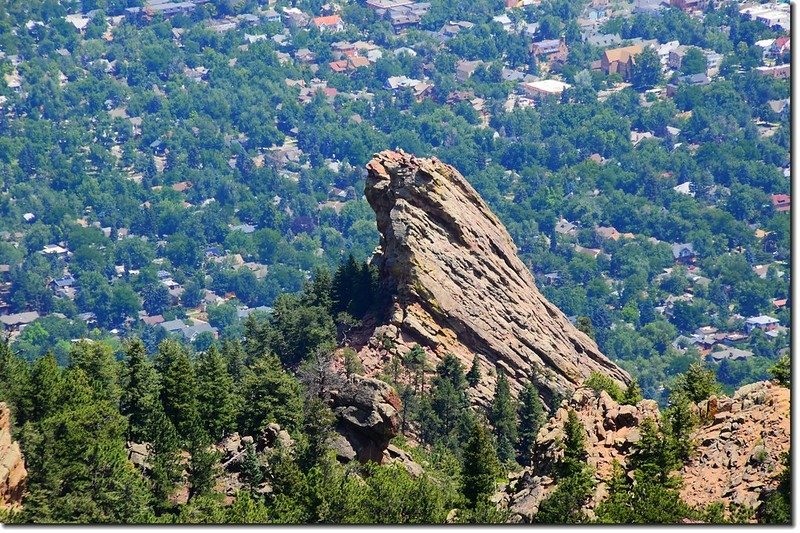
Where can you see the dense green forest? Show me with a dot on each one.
(73, 424)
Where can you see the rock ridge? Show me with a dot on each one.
(459, 286)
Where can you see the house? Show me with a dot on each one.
(607, 233)
(244, 228)
(591, 252)
(602, 40)
(730, 354)
(779, 107)
(551, 49)
(676, 55)
(782, 203)
(295, 18)
(620, 60)
(638, 136)
(687, 188)
(153, 320)
(544, 88)
(689, 5)
(270, 15)
(648, 7)
(552, 278)
(18, 321)
(683, 253)
(564, 227)
(778, 71)
(762, 322)
(54, 250)
(504, 21)
(699, 79)
(465, 69)
(780, 46)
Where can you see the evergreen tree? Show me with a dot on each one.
(252, 474)
(270, 395)
(140, 392)
(504, 419)
(474, 374)
(78, 469)
(653, 456)
(680, 421)
(234, 355)
(43, 389)
(165, 460)
(575, 483)
(782, 371)
(574, 446)
(217, 403)
(415, 360)
(633, 394)
(203, 465)
(318, 421)
(445, 416)
(531, 418)
(179, 388)
(97, 360)
(480, 466)
(698, 383)
(777, 508)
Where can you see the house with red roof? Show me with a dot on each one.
(332, 23)
(781, 202)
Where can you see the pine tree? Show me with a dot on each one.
(531, 418)
(234, 355)
(415, 360)
(218, 406)
(203, 464)
(575, 483)
(445, 415)
(504, 419)
(633, 394)
(698, 383)
(179, 388)
(165, 460)
(78, 470)
(574, 446)
(270, 394)
(680, 421)
(43, 389)
(480, 467)
(653, 456)
(252, 473)
(98, 361)
(474, 374)
(140, 393)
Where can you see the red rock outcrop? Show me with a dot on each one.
(739, 445)
(739, 453)
(12, 465)
(459, 286)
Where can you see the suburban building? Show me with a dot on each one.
(620, 60)
(762, 322)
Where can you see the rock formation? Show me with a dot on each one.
(459, 286)
(367, 413)
(12, 466)
(737, 456)
(739, 451)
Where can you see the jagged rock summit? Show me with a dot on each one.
(459, 286)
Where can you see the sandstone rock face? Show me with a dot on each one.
(459, 286)
(736, 460)
(611, 430)
(367, 413)
(739, 453)
(12, 465)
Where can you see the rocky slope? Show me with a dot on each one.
(12, 466)
(737, 456)
(459, 286)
